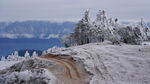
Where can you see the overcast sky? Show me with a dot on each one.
(72, 10)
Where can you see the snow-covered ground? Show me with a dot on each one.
(113, 64)
(6, 64)
(108, 64)
(146, 43)
(27, 72)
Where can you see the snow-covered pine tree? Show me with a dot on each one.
(144, 29)
(97, 29)
(82, 33)
(8, 57)
(34, 54)
(13, 57)
(44, 53)
(16, 55)
(27, 55)
(3, 58)
(130, 35)
(114, 27)
(135, 33)
(104, 28)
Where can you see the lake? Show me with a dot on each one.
(8, 46)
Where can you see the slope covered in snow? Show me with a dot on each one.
(6, 64)
(97, 63)
(112, 64)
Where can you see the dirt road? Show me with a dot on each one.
(67, 70)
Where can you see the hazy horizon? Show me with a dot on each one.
(72, 10)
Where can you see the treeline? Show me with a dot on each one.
(104, 28)
(15, 56)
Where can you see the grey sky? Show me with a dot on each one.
(72, 10)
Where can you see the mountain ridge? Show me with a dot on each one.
(38, 29)
(35, 29)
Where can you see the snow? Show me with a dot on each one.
(15, 58)
(113, 64)
(105, 28)
(29, 77)
(146, 43)
(27, 55)
(108, 64)
(34, 54)
(32, 71)
(6, 64)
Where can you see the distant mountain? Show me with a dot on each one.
(125, 22)
(35, 29)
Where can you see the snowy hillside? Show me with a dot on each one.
(95, 63)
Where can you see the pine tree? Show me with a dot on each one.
(99, 27)
(3, 58)
(13, 57)
(104, 28)
(44, 53)
(9, 57)
(16, 56)
(144, 29)
(82, 31)
(27, 55)
(34, 54)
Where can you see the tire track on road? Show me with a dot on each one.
(66, 63)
